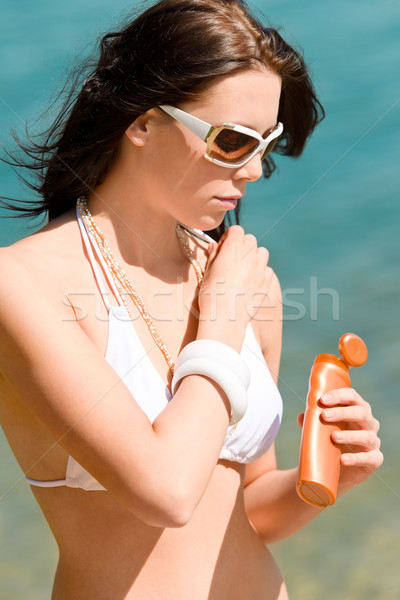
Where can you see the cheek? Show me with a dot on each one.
(187, 172)
(193, 198)
(183, 151)
(184, 177)
(194, 178)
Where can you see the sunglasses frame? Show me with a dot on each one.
(207, 132)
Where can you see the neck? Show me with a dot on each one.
(139, 226)
(143, 236)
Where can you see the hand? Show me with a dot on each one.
(358, 440)
(236, 278)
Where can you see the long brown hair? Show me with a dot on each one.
(170, 53)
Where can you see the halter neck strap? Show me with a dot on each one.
(90, 245)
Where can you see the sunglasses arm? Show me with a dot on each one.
(195, 125)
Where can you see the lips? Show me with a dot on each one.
(229, 197)
(228, 202)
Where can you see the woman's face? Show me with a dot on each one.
(188, 187)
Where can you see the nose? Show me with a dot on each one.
(251, 171)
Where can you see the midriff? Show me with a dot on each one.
(106, 553)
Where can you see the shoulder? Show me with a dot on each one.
(34, 270)
(21, 267)
(269, 307)
(42, 255)
(267, 325)
(54, 234)
(28, 288)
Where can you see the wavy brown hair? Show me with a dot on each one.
(169, 54)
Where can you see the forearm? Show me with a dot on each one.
(273, 506)
(196, 420)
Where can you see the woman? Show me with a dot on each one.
(139, 358)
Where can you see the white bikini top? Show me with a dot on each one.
(247, 440)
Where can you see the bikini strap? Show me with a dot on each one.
(198, 233)
(90, 243)
(46, 484)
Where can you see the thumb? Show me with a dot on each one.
(300, 419)
(212, 251)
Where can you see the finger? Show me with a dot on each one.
(300, 419)
(233, 232)
(366, 439)
(263, 255)
(211, 253)
(211, 248)
(359, 415)
(232, 236)
(370, 461)
(250, 242)
(344, 396)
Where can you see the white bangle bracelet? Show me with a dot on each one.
(220, 353)
(220, 359)
(222, 375)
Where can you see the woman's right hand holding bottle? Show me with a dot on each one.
(235, 284)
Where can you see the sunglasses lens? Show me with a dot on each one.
(269, 148)
(232, 147)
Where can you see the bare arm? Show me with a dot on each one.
(271, 500)
(66, 383)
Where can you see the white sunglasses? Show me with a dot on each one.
(228, 145)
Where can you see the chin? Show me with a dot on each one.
(205, 222)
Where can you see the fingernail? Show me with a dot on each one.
(338, 436)
(327, 398)
(329, 415)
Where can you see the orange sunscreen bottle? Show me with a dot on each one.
(319, 464)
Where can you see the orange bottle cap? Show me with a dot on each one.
(353, 350)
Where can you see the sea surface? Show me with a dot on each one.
(331, 221)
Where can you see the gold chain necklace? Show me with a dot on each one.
(121, 280)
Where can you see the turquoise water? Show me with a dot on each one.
(331, 223)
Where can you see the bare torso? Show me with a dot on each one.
(106, 553)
